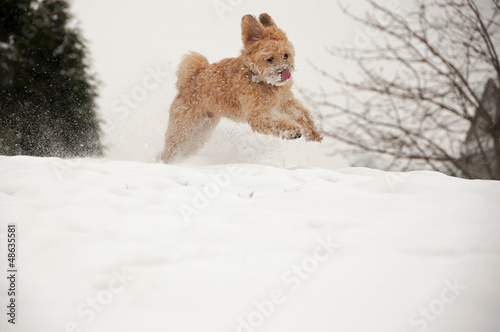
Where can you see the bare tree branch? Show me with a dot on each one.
(421, 88)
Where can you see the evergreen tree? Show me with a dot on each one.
(47, 97)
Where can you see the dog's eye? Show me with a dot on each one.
(286, 56)
(270, 60)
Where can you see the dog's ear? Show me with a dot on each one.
(266, 20)
(251, 30)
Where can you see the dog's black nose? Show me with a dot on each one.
(295, 136)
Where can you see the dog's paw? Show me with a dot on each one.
(314, 136)
(290, 134)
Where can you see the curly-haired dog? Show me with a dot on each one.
(255, 87)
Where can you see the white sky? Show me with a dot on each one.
(128, 38)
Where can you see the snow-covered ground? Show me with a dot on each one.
(126, 246)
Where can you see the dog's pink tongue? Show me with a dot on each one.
(285, 74)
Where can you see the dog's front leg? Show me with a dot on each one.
(304, 118)
(263, 122)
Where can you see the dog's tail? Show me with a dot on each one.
(191, 63)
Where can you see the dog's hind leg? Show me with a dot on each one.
(199, 132)
(187, 132)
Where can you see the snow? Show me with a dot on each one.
(127, 246)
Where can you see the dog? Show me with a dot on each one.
(254, 87)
